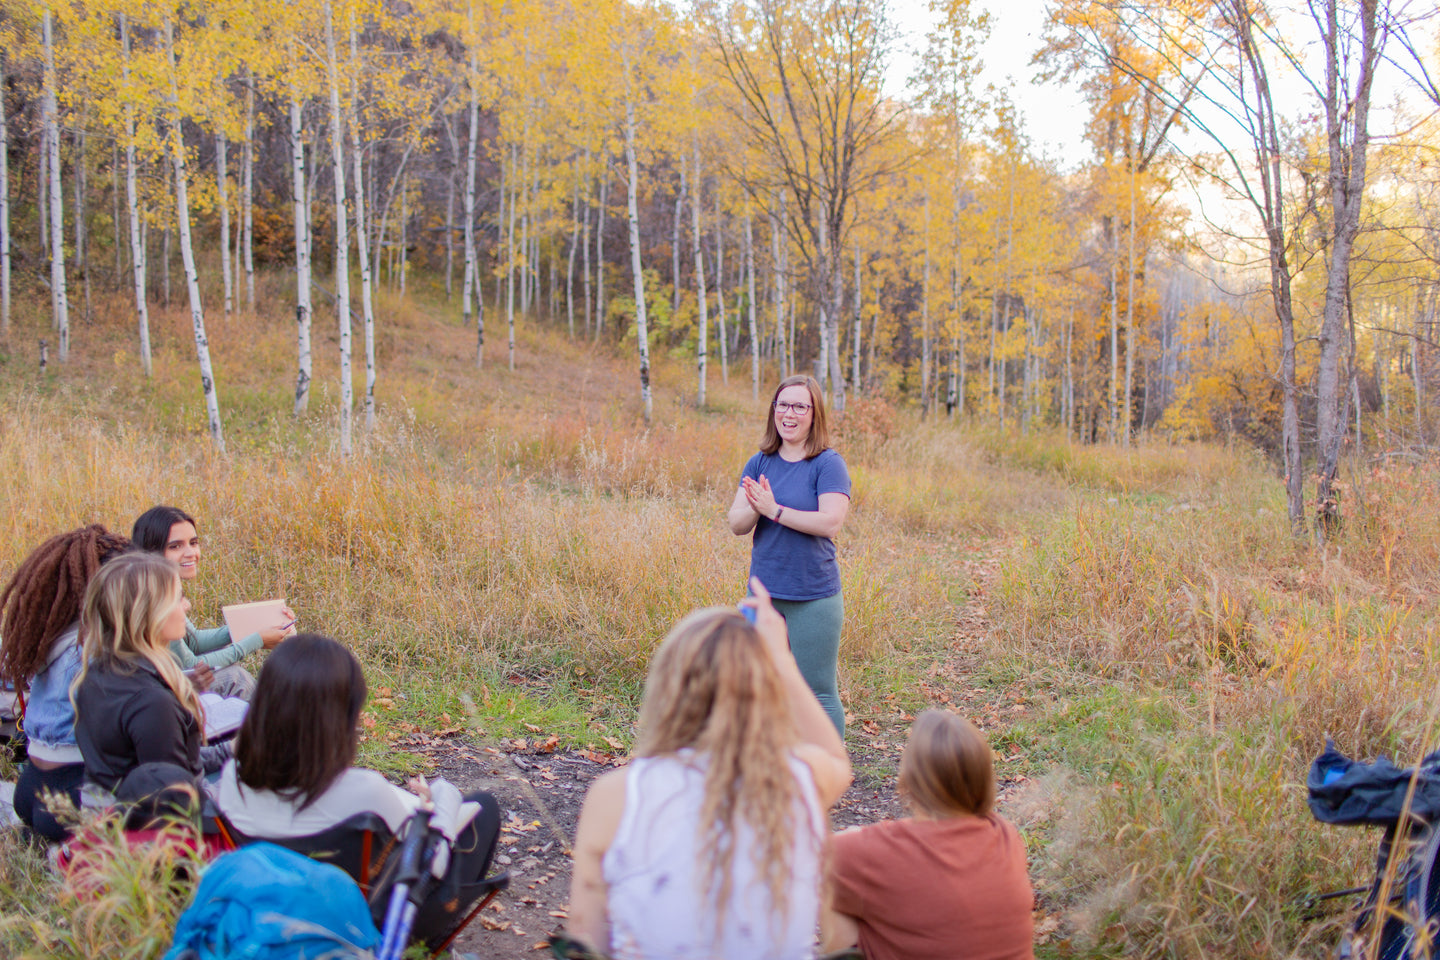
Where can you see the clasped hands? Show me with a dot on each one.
(760, 497)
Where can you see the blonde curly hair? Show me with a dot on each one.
(712, 687)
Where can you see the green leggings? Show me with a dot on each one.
(815, 641)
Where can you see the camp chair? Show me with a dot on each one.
(359, 844)
(362, 845)
(1406, 803)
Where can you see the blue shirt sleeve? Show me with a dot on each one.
(831, 475)
(752, 467)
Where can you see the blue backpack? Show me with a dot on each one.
(263, 902)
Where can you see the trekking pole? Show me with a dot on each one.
(408, 892)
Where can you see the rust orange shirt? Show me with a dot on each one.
(922, 889)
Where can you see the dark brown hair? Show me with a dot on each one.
(947, 769)
(819, 439)
(152, 528)
(43, 598)
(299, 733)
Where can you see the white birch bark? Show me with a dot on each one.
(777, 269)
(247, 195)
(132, 203)
(367, 307)
(342, 233)
(116, 244)
(701, 357)
(82, 244)
(675, 242)
(642, 328)
(302, 256)
(4, 209)
(222, 187)
(510, 190)
(42, 191)
(176, 146)
(585, 245)
(859, 316)
(720, 291)
(600, 248)
(449, 122)
(404, 230)
(50, 111)
(750, 288)
(570, 261)
(467, 285)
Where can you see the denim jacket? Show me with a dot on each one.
(49, 715)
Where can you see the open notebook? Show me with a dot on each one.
(244, 619)
(223, 715)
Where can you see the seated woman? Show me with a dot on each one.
(171, 533)
(292, 774)
(708, 845)
(133, 707)
(949, 880)
(40, 656)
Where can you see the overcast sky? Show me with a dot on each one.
(1054, 114)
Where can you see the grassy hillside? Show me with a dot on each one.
(1144, 643)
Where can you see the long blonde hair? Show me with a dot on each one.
(712, 687)
(126, 604)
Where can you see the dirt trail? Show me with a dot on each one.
(542, 790)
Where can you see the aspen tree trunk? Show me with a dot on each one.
(570, 261)
(859, 316)
(404, 230)
(302, 257)
(4, 209)
(585, 249)
(472, 269)
(600, 248)
(750, 288)
(777, 267)
(176, 146)
(42, 191)
(342, 233)
(1114, 401)
(247, 194)
(1129, 320)
(675, 242)
(50, 111)
(132, 203)
(82, 247)
(510, 256)
(450, 206)
(367, 306)
(642, 328)
(221, 186)
(522, 199)
(114, 203)
(925, 346)
(720, 291)
(701, 357)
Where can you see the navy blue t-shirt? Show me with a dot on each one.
(791, 564)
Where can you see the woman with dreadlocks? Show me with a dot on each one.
(40, 650)
(708, 844)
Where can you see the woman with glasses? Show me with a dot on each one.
(794, 495)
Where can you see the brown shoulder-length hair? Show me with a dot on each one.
(819, 439)
(948, 769)
(300, 732)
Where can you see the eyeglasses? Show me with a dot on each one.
(799, 409)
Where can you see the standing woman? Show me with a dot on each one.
(172, 533)
(794, 494)
(40, 656)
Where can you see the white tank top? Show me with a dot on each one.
(657, 907)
